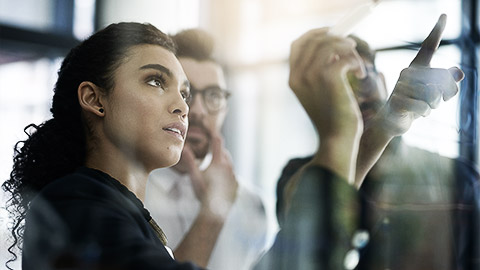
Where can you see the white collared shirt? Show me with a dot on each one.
(245, 236)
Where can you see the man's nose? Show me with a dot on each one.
(197, 107)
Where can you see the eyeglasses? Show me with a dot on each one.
(214, 98)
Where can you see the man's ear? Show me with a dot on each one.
(90, 97)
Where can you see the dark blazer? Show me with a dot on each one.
(317, 231)
(396, 228)
(88, 220)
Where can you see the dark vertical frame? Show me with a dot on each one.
(468, 105)
(64, 12)
(98, 14)
(468, 42)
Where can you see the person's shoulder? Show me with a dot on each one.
(295, 164)
(78, 185)
(460, 167)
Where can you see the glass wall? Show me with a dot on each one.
(266, 126)
(258, 41)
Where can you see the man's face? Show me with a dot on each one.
(206, 79)
(370, 92)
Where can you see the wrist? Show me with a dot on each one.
(338, 154)
(379, 132)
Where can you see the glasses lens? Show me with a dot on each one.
(215, 99)
(189, 99)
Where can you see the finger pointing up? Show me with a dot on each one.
(430, 44)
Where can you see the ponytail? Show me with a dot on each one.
(58, 146)
(52, 149)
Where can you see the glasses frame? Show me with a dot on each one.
(204, 92)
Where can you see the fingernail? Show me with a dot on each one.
(457, 73)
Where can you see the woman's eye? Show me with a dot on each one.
(155, 83)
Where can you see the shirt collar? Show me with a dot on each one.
(166, 178)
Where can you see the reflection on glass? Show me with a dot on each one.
(83, 18)
(399, 22)
(25, 93)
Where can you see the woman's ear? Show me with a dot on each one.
(90, 98)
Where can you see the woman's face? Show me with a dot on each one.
(145, 113)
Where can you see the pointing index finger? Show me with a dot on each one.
(430, 44)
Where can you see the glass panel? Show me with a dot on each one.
(439, 131)
(83, 21)
(32, 14)
(168, 16)
(25, 95)
(398, 22)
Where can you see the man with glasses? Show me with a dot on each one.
(421, 209)
(208, 216)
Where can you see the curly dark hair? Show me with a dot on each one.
(58, 146)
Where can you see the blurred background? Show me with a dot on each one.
(266, 126)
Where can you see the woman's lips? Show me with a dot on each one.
(177, 129)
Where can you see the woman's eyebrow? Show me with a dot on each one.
(159, 68)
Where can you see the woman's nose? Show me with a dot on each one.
(180, 107)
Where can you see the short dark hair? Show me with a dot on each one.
(195, 43)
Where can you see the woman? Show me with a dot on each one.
(119, 112)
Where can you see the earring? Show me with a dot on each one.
(101, 110)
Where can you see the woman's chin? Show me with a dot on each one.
(164, 161)
(172, 160)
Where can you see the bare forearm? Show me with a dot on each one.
(338, 154)
(198, 243)
(372, 144)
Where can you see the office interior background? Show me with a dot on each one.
(265, 126)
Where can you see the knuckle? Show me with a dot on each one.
(405, 72)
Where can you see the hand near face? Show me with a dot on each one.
(419, 88)
(215, 187)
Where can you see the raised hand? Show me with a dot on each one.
(319, 63)
(420, 88)
(215, 187)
